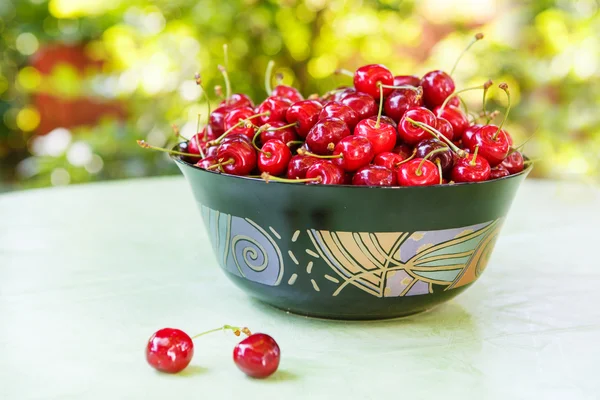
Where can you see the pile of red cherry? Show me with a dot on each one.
(171, 350)
(386, 130)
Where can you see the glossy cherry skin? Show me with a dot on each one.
(499, 172)
(287, 92)
(216, 121)
(493, 150)
(413, 134)
(305, 114)
(298, 166)
(407, 80)
(368, 77)
(469, 132)
(169, 350)
(464, 171)
(400, 100)
(238, 100)
(211, 151)
(233, 118)
(446, 157)
(326, 133)
(275, 106)
(374, 175)
(445, 128)
(386, 120)
(513, 163)
(257, 356)
(409, 174)
(243, 156)
(357, 152)
(388, 159)
(195, 143)
(340, 94)
(329, 173)
(274, 157)
(206, 162)
(285, 135)
(363, 105)
(456, 117)
(382, 137)
(334, 109)
(437, 86)
(235, 138)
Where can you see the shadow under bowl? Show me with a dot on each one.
(351, 252)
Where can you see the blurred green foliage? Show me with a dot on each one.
(81, 80)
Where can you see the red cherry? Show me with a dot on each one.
(454, 102)
(328, 173)
(471, 169)
(388, 159)
(444, 157)
(356, 152)
(418, 172)
(334, 109)
(276, 107)
(216, 120)
(469, 132)
(368, 78)
(298, 166)
(237, 158)
(207, 162)
(286, 135)
(326, 133)
(232, 120)
(400, 100)
(437, 86)
(456, 117)
(211, 151)
(274, 157)
(363, 105)
(499, 172)
(445, 128)
(412, 134)
(382, 137)
(341, 93)
(385, 119)
(287, 92)
(196, 142)
(257, 356)
(374, 175)
(305, 114)
(404, 150)
(237, 100)
(407, 80)
(235, 138)
(494, 148)
(169, 350)
(513, 163)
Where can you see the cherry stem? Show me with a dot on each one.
(455, 94)
(417, 89)
(223, 71)
(279, 78)
(504, 87)
(198, 79)
(271, 129)
(418, 172)
(519, 147)
(438, 135)
(177, 132)
(486, 87)
(256, 135)
(268, 177)
(268, 75)
(143, 144)
(303, 152)
(380, 104)
(236, 331)
(240, 123)
(219, 165)
(439, 165)
(342, 71)
(472, 162)
(414, 153)
(293, 142)
(219, 92)
(475, 39)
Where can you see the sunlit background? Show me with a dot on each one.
(80, 81)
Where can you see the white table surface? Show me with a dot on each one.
(88, 273)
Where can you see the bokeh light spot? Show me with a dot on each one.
(28, 119)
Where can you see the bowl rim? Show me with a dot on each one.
(177, 158)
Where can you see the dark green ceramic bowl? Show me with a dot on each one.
(349, 252)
